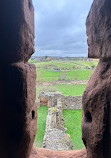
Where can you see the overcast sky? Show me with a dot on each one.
(60, 27)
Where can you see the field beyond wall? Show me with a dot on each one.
(69, 77)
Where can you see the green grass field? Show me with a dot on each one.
(70, 70)
(49, 75)
(66, 89)
(71, 89)
(41, 125)
(81, 64)
(72, 123)
(86, 63)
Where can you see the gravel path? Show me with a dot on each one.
(50, 83)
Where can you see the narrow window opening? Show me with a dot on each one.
(88, 117)
(33, 114)
(63, 70)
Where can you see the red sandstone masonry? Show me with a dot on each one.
(18, 111)
(18, 114)
(96, 121)
(45, 153)
(99, 29)
(96, 112)
(16, 30)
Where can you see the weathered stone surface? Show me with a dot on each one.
(51, 119)
(72, 102)
(69, 101)
(99, 29)
(55, 137)
(43, 101)
(16, 30)
(45, 153)
(96, 121)
(55, 119)
(17, 110)
(50, 98)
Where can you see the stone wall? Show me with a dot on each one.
(72, 102)
(96, 118)
(55, 137)
(50, 98)
(68, 101)
(18, 111)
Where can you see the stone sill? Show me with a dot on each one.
(46, 153)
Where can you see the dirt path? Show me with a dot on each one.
(50, 83)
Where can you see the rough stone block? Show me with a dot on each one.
(96, 121)
(43, 153)
(56, 139)
(99, 29)
(16, 30)
(18, 117)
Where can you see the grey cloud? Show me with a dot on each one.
(60, 27)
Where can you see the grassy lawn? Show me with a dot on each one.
(66, 89)
(41, 125)
(73, 125)
(86, 63)
(72, 117)
(49, 75)
(71, 89)
(80, 74)
(66, 64)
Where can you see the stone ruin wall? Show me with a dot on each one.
(68, 101)
(72, 102)
(17, 84)
(55, 137)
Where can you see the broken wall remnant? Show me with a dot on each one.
(96, 121)
(18, 115)
(72, 102)
(55, 137)
(50, 98)
(68, 101)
